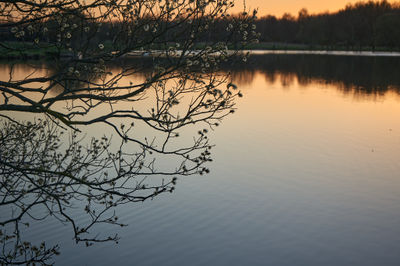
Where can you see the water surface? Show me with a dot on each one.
(306, 172)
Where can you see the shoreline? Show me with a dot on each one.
(326, 52)
(139, 54)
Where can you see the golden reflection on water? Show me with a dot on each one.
(348, 125)
(300, 87)
(313, 142)
(253, 79)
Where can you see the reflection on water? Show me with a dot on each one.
(358, 75)
(355, 75)
(301, 176)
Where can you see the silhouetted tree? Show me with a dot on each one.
(49, 161)
(387, 30)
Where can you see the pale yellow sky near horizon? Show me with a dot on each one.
(279, 7)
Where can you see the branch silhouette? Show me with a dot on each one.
(89, 81)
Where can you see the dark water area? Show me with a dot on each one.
(306, 172)
(351, 74)
(358, 74)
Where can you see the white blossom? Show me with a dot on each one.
(20, 34)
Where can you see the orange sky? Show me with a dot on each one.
(278, 7)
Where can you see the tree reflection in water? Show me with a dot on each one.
(357, 75)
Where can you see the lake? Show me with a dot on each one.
(305, 172)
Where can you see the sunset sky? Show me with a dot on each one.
(277, 8)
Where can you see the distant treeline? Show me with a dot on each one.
(364, 24)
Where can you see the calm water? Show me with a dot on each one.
(306, 172)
